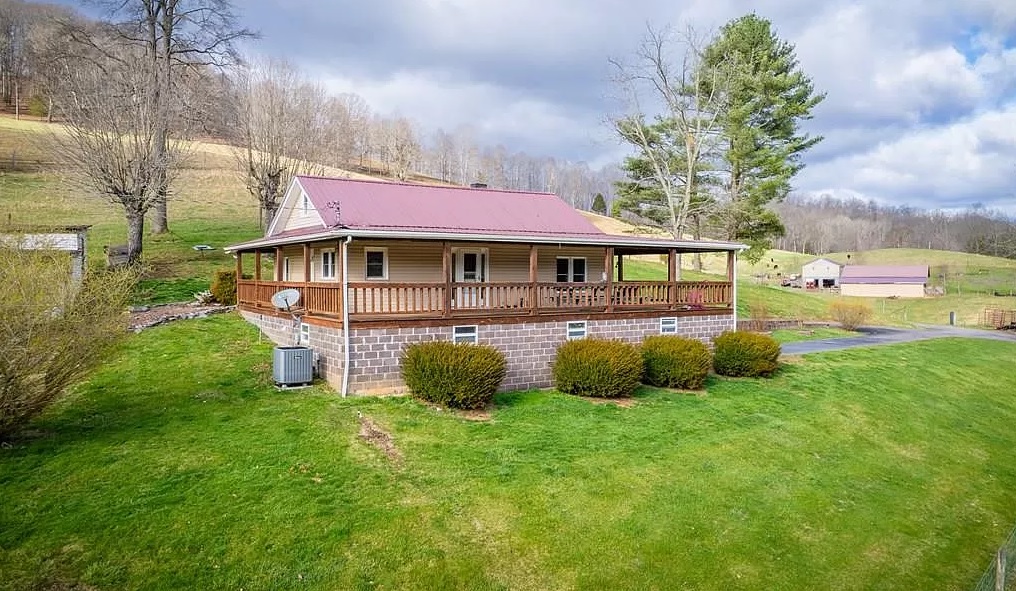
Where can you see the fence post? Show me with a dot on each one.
(1000, 570)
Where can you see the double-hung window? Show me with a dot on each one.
(328, 264)
(376, 261)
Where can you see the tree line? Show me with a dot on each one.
(820, 225)
(135, 84)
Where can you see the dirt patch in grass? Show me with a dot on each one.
(622, 402)
(379, 438)
(476, 414)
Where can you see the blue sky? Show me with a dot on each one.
(921, 106)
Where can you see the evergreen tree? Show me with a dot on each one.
(599, 204)
(765, 96)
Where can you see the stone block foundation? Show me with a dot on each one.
(529, 347)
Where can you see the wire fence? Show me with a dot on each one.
(1001, 574)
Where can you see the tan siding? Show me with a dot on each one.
(593, 255)
(876, 290)
(420, 261)
(295, 254)
(295, 217)
(408, 261)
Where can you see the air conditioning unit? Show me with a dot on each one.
(293, 366)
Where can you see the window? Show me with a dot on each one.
(668, 325)
(376, 263)
(285, 269)
(577, 330)
(464, 334)
(304, 202)
(304, 338)
(571, 269)
(328, 264)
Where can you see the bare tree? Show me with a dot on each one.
(279, 132)
(673, 146)
(111, 142)
(175, 35)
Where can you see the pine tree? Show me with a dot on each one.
(599, 204)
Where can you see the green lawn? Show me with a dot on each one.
(179, 467)
(793, 335)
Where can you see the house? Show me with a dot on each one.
(69, 239)
(382, 265)
(884, 281)
(821, 273)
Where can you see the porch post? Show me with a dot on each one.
(672, 276)
(608, 268)
(306, 263)
(620, 268)
(446, 271)
(534, 260)
(257, 265)
(731, 277)
(239, 265)
(278, 263)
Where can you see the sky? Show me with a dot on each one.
(921, 94)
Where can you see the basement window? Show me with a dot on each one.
(668, 325)
(576, 330)
(465, 334)
(304, 334)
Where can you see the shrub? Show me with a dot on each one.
(53, 330)
(37, 106)
(224, 287)
(453, 375)
(675, 362)
(595, 367)
(745, 354)
(850, 315)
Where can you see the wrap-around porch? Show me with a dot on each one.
(464, 290)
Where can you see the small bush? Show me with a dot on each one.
(675, 362)
(850, 315)
(745, 354)
(594, 367)
(453, 375)
(37, 106)
(224, 287)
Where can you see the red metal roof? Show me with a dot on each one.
(884, 274)
(367, 205)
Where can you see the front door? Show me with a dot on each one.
(470, 266)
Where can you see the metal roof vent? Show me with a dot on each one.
(477, 185)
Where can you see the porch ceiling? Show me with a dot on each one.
(625, 245)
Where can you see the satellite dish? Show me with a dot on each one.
(286, 298)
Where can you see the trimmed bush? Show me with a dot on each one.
(453, 375)
(595, 367)
(745, 354)
(850, 315)
(224, 287)
(675, 362)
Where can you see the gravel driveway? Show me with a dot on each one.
(880, 335)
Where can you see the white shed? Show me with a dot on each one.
(821, 273)
(69, 239)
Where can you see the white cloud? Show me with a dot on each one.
(920, 92)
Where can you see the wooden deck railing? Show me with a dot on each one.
(376, 299)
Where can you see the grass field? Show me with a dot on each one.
(811, 334)
(178, 466)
